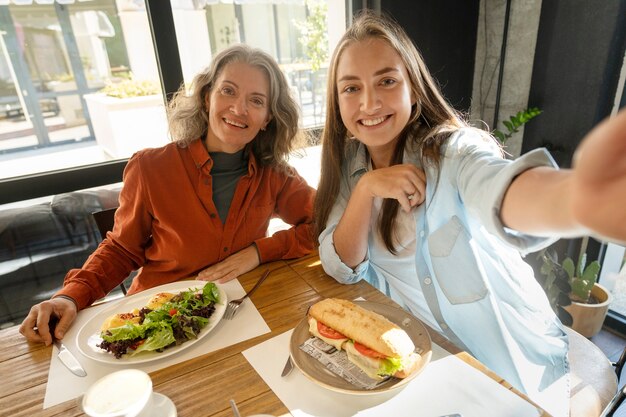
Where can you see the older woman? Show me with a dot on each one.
(202, 204)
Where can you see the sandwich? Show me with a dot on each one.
(377, 346)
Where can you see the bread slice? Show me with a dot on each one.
(119, 319)
(364, 326)
(158, 300)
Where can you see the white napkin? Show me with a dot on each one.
(63, 385)
(447, 385)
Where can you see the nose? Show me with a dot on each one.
(239, 106)
(370, 102)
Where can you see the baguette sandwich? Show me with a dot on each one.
(374, 344)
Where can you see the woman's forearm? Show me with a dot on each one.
(539, 202)
(351, 235)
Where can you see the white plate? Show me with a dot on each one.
(316, 372)
(89, 335)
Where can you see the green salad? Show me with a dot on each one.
(176, 321)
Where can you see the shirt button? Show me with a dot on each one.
(206, 181)
(427, 281)
(422, 233)
(212, 215)
(444, 326)
(225, 249)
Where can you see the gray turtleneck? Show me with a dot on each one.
(226, 171)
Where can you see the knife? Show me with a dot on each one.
(288, 367)
(66, 357)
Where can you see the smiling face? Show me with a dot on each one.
(374, 94)
(238, 107)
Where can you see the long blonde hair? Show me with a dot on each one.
(432, 118)
(188, 119)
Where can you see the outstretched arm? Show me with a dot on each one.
(588, 199)
(599, 183)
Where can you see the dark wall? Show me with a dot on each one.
(445, 33)
(578, 58)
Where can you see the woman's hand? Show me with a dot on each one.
(35, 325)
(599, 179)
(230, 268)
(405, 183)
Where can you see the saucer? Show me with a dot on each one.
(162, 406)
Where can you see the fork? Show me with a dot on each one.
(233, 305)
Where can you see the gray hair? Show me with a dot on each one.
(188, 119)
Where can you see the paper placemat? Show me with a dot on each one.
(446, 386)
(63, 385)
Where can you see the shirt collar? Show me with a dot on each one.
(359, 159)
(199, 154)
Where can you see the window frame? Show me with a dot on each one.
(15, 189)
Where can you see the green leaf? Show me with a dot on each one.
(211, 293)
(591, 272)
(500, 136)
(159, 340)
(581, 264)
(128, 331)
(581, 290)
(568, 266)
(389, 366)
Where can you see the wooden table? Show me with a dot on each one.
(202, 386)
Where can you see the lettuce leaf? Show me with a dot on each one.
(211, 293)
(128, 331)
(158, 340)
(390, 366)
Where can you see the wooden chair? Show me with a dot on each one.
(593, 379)
(105, 220)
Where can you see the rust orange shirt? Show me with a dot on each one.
(168, 226)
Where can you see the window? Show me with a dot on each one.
(56, 59)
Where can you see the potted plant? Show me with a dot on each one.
(579, 301)
(128, 116)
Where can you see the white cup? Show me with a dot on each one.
(125, 393)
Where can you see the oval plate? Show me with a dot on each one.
(318, 373)
(89, 335)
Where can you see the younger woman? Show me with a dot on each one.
(426, 209)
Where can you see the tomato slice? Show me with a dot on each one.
(173, 311)
(138, 343)
(365, 351)
(328, 332)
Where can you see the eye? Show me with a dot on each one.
(227, 91)
(387, 82)
(349, 89)
(258, 101)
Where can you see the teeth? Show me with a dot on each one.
(234, 123)
(373, 122)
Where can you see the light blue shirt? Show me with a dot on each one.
(469, 271)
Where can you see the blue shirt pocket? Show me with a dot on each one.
(455, 264)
